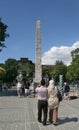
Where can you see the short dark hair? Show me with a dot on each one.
(43, 82)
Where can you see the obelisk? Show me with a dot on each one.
(38, 68)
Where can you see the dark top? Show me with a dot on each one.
(26, 84)
(67, 88)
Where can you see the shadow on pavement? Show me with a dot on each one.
(67, 120)
(73, 97)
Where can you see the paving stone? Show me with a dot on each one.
(21, 113)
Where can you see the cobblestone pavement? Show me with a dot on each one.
(21, 113)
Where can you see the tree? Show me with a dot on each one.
(2, 72)
(73, 69)
(75, 54)
(69, 74)
(59, 69)
(47, 70)
(11, 69)
(2, 69)
(27, 71)
(3, 34)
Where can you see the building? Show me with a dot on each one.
(24, 61)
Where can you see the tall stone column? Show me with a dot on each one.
(38, 67)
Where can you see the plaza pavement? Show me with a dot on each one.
(21, 113)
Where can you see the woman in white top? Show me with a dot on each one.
(19, 85)
(53, 102)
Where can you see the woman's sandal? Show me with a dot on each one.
(55, 124)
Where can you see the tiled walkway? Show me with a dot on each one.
(21, 113)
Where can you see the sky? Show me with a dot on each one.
(59, 29)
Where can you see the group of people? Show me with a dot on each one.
(48, 102)
(23, 87)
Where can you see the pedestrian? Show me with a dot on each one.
(19, 89)
(66, 91)
(26, 86)
(23, 90)
(53, 102)
(42, 93)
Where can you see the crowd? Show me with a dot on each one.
(24, 88)
(48, 99)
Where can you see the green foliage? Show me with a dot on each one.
(54, 71)
(59, 69)
(11, 70)
(70, 73)
(2, 72)
(3, 34)
(27, 71)
(75, 54)
(47, 71)
(73, 69)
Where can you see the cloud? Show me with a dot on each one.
(62, 53)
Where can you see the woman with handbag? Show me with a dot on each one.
(53, 102)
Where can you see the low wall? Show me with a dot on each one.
(74, 93)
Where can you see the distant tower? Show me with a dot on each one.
(38, 69)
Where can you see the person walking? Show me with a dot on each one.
(53, 102)
(42, 93)
(26, 86)
(19, 85)
(66, 91)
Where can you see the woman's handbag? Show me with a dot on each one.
(59, 96)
